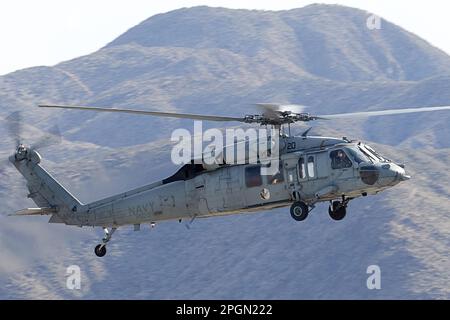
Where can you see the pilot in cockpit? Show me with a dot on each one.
(339, 160)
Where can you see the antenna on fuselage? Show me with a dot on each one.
(305, 134)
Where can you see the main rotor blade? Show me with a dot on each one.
(382, 112)
(149, 113)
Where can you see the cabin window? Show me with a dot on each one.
(311, 166)
(339, 160)
(253, 176)
(301, 168)
(276, 178)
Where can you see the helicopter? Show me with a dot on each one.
(310, 170)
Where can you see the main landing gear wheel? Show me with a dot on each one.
(337, 211)
(100, 250)
(299, 211)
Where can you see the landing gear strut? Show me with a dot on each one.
(338, 209)
(100, 249)
(299, 211)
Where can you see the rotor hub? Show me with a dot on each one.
(21, 152)
(280, 118)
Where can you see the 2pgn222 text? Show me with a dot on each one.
(226, 309)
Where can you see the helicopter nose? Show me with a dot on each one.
(392, 174)
(398, 173)
(401, 173)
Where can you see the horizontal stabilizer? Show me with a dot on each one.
(34, 212)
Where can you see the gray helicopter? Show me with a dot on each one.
(312, 169)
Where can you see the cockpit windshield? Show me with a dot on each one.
(358, 155)
(367, 153)
(376, 154)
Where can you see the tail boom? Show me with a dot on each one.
(50, 196)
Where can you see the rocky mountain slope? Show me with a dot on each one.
(220, 61)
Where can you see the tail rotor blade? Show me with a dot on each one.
(14, 125)
(53, 137)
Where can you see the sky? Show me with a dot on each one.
(46, 32)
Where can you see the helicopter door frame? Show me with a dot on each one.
(291, 176)
(307, 170)
(304, 177)
(295, 172)
(253, 184)
(276, 184)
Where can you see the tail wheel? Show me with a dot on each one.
(337, 211)
(299, 211)
(100, 250)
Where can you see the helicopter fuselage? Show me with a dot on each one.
(309, 172)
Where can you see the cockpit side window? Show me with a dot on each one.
(339, 160)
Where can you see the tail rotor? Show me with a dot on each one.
(16, 128)
(14, 125)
